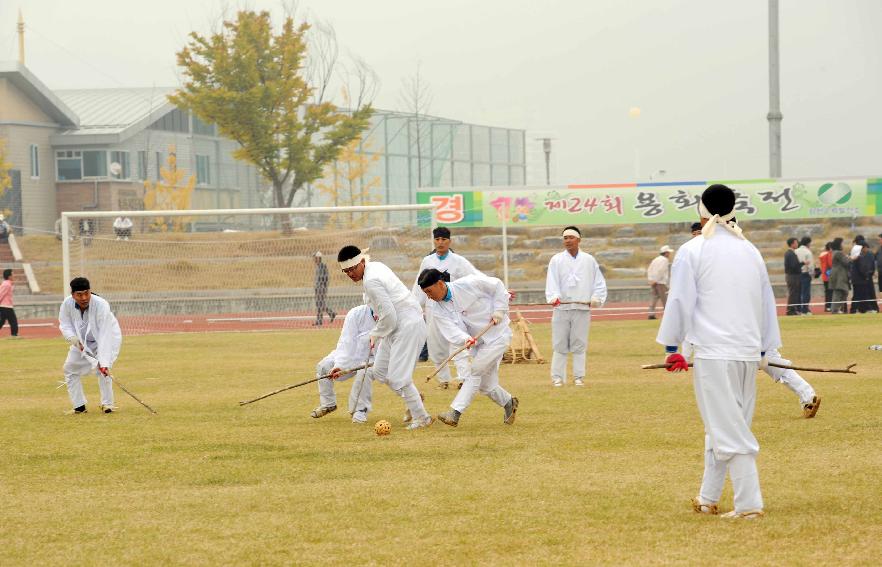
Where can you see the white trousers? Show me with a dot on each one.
(75, 367)
(327, 395)
(726, 394)
(440, 349)
(569, 334)
(396, 359)
(484, 377)
(789, 378)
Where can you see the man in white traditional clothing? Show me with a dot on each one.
(461, 310)
(808, 398)
(352, 350)
(722, 305)
(452, 267)
(86, 322)
(400, 329)
(573, 286)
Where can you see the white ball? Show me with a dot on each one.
(115, 168)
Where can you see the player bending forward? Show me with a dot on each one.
(93, 332)
(460, 311)
(400, 329)
(352, 350)
(721, 303)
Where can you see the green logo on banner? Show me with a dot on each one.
(830, 194)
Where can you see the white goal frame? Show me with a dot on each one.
(66, 218)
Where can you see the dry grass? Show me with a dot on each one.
(600, 475)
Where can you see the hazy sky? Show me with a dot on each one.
(571, 69)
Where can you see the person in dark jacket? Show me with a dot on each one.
(792, 272)
(321, 290)
(862, 270)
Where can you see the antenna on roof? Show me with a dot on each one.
(21, 55)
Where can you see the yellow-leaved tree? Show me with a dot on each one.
(5, 180)
(347, 183)
(169, 194)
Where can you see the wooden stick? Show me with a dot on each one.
(459, 350)
(326, 376)
(121, 387)
(533, 347)
(846, 370)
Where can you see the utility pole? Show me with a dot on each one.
(546, 147)
(774, 116)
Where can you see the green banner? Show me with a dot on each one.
(648, 203)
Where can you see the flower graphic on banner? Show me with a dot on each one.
(522, 209)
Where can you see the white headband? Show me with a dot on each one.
(346, 264)
(571, 232)
(713, 220)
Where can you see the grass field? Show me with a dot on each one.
(599, 475)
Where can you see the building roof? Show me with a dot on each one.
(34, 89)
(112, 115)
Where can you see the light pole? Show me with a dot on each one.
(774, 116)
(634, 112)
(546, 147)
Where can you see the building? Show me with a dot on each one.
(94, 149)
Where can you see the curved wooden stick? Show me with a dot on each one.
(459, 350)
(280, 390)
(846, 370)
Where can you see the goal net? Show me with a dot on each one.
(238, 269)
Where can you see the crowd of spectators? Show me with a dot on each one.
(840, 272)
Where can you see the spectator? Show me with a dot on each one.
(879, 263)
(696, 228)
(659, 273)
(122, 227)
(807, 268)
(86, 231)
(862, 269)
(838, 277)
(825, 259)
(792, 271)
(321, 290)
(7, 313)
(4, 229)
(858, 242)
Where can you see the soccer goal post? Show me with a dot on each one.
(236, 269)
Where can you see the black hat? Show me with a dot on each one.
(718, 199)
(79, 284)
(429, 277)
(441, 232)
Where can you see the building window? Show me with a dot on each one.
(203, 169)
(201, 128)
(68, 165)
(95, 163)
(122, 158)
(35, 162)
(158, 165)
(142, 165)
(175, 121)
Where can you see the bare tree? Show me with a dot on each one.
(416, 98)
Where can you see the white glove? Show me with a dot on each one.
(595, 302)
(497, 317)
(74, 341)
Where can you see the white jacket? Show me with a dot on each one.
(353, 344)
(387, 296)
(574, 279)
(454, 264)
(473, 299)
(97, 329)
(721, 300)
(659, 270)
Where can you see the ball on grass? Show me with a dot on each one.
(383, 427)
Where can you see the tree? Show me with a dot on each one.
(416, 98)
(252, 84)
(347, 184)
(169, 194)
(5, 179)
